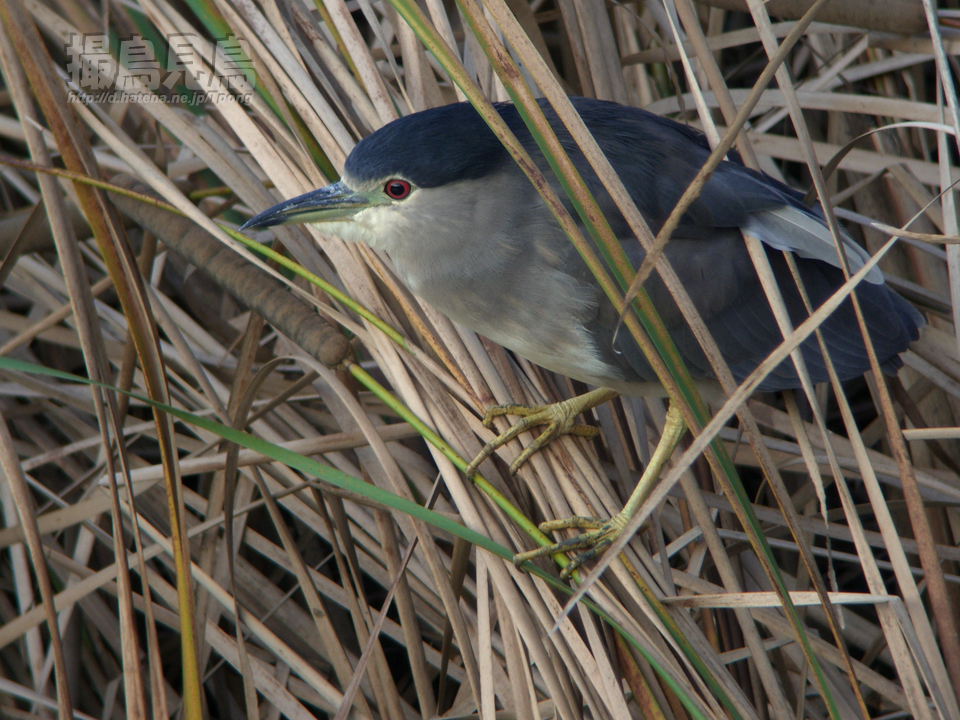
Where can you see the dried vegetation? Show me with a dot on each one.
(857, 492)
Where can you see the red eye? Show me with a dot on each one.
(397, 189)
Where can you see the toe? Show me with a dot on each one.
(578, 522)
(587, 556)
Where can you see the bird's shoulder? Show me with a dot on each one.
(657, 158)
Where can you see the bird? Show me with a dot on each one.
(469, 233)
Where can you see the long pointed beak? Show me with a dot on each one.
(333, 202)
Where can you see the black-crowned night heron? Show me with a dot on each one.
(469, 233)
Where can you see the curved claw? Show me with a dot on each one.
(554, 430)
(560, 419)
(588, 555)
(594, 543)
(531, 416)
(602, 533)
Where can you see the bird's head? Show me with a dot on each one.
(412, 170)
(357, 211)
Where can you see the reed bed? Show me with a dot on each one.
(164, 380)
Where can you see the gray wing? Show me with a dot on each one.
(721, 280)
(656, 159)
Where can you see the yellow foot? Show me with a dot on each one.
(600, 534)
(560, 419)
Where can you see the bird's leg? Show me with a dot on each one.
(559, 418)
(600, 534)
